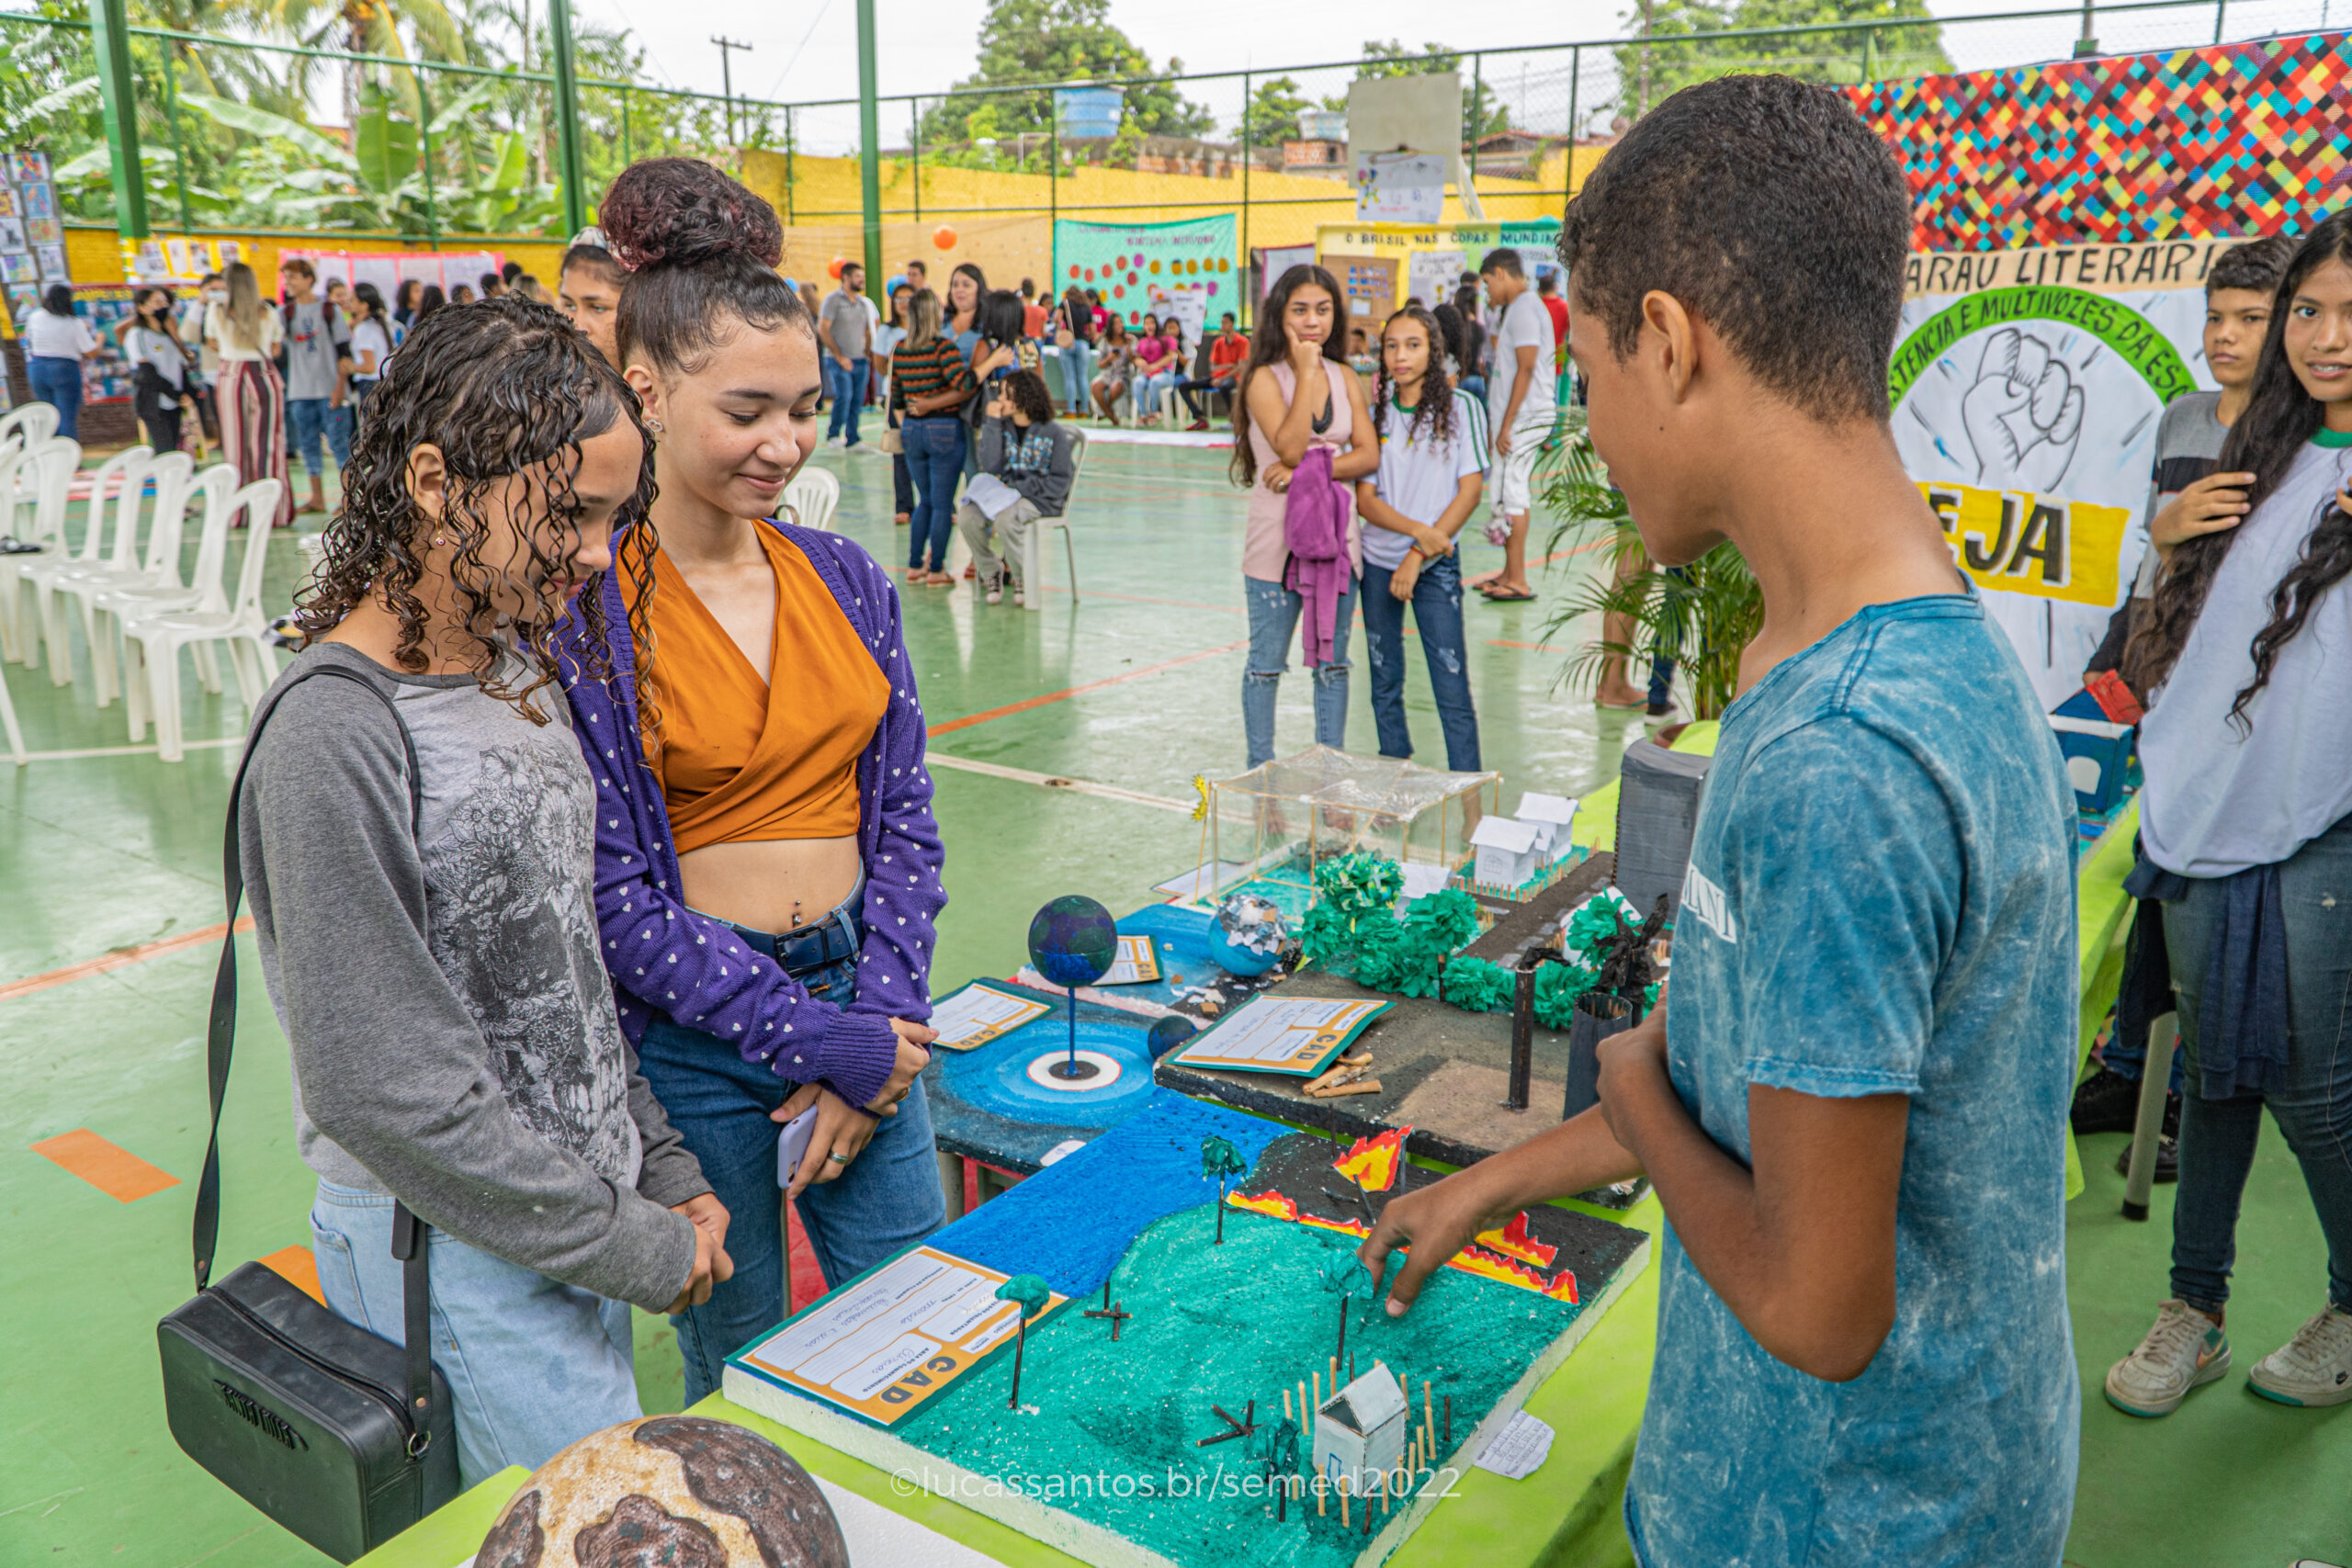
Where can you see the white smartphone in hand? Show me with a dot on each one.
(792, 1145)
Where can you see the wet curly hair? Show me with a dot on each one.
(1432, 417)
(501, 388)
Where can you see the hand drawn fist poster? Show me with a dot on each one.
(2026, 387)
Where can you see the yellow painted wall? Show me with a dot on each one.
(1001, 219)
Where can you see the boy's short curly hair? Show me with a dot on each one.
(2256, 266)
(1769, 209)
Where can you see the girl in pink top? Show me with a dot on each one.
(1296, 392)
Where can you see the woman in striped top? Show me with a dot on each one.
(935, 381)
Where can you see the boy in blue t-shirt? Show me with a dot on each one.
(1853, 1105)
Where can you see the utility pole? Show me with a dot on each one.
(869, 136)
(1642, 100)
(727, 77)
(571, 164)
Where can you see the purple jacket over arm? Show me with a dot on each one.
(667, 959)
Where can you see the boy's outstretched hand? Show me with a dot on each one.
(1436, 1222)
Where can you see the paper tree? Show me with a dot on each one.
(1031, 1294)
(1220, 1159)
(1275, 1449)
(1347, 1282)
(1474, 984)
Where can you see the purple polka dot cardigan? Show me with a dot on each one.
(668, 960)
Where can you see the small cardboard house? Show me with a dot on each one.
(1507, 856)
(1360, 1431)
(1552, 815)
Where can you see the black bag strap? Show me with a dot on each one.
(220, 1042)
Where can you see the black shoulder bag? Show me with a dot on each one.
(339, 1435)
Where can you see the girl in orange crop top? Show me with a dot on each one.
(767, 864)
(739, 760)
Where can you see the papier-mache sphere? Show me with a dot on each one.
(682, 1491)
(1073, 941)
(1249, 934)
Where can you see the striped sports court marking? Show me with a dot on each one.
(1025, 704)
(113, 1171)
(121, 958)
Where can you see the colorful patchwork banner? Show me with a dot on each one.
(2236, 138)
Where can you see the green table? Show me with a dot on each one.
(1567, 1512)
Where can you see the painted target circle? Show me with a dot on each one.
(1106, 1072)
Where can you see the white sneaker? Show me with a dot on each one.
(2185, 1349)
(996, 596)
(1018, 600)
(2314, 1367)
(835, 440)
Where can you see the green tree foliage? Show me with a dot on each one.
(1271, 116)
(1677, 52)
(1041, 42)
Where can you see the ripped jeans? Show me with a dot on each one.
(1436, 604)
(1273, 623)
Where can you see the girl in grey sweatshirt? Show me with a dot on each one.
(422, 878)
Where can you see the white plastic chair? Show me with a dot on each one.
(812, 497)
(1033, 548)
(40, 475)
(164, 594)
(172, 477)
(32, 423)
(125, 474)
(151, 643)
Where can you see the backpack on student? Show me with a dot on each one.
(339, 1435)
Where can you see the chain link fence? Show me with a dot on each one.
(242, 134)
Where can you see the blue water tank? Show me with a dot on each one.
(1087, 111)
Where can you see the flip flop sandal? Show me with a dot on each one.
(1507, 596)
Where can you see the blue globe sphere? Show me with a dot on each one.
(1073, 941)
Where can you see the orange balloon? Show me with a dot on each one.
(833, 267)
(943, 237)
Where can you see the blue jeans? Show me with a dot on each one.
(1150, 390)
(848, 389)
(1437, 615)
(534, 1365)
(339, 423)
(934, 445)
(2218, 1136)
(888, 1198)
(58, 381)
(1077, 374)
(1273, 617)
(306, 423)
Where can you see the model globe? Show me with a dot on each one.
(678, 1489)
(1073, 941)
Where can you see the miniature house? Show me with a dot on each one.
(1507, 854)
(1552, 815)
(1360, 1430)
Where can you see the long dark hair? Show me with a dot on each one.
(427, 302)
(2280, 418)
(980, 295)
(1432, 418)
(500, 389)
(1000, 318)
(1269, 345)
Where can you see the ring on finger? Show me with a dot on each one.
(837, 1157)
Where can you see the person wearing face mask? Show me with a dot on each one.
(456, 1048)
(768, 865)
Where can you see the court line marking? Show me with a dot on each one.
(81, 752)
(121, 958)
(111, 1169)
(1058, 782)
(950, 725)
(299, 1266)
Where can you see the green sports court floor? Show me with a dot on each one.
(1084, 726)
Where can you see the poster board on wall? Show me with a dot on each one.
(2026, 387)
(1276, 260)
(1127, 261)
(1400, 187)
(1370, 283)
